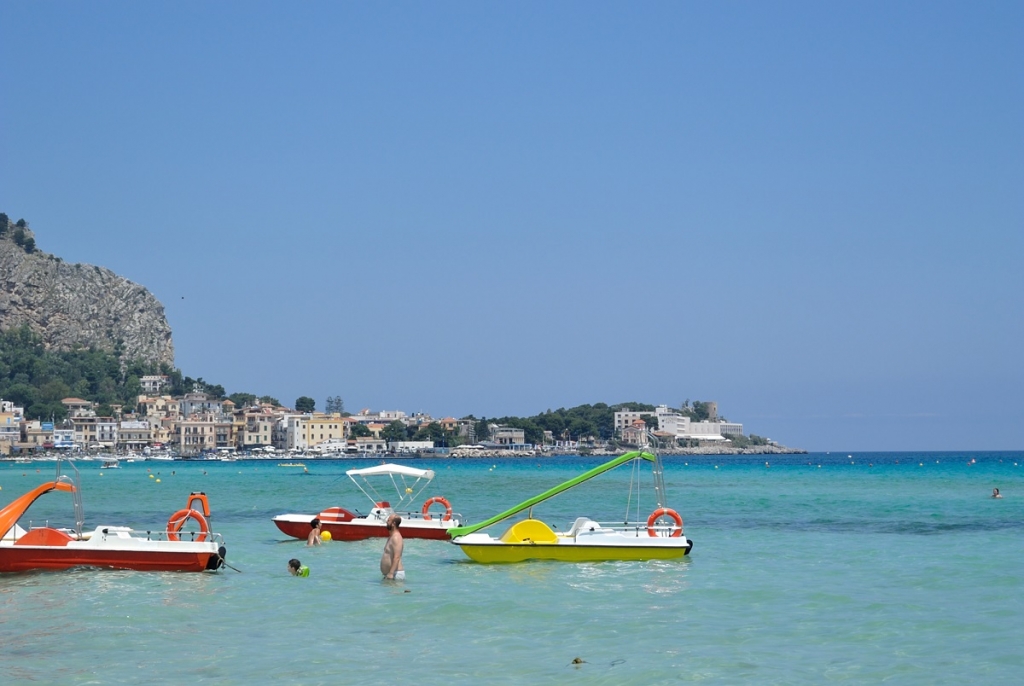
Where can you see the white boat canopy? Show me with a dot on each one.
(405, 492)
(390, 469)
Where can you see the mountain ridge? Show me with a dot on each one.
(72, 304)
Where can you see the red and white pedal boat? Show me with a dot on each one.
(348, 525)
(113, 547)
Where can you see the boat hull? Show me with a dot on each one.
(29, 558)
(496, 553)
(360, 529)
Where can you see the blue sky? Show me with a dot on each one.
(809, 212)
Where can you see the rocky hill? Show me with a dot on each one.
(77, 304)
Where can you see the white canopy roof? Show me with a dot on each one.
(390, 469)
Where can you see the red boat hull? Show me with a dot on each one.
(355, 531)
(28, 558)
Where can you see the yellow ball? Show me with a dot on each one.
(158, 480)
(325, 535)
(408, 490)
(151, 476)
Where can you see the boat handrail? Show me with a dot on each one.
(411, 514)
(155, 535)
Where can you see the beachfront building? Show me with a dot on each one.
(367, 445)
(256, 428)
(133, 435)
(635, 433)
(626, 418)
(10, 426)
(730, 428)
(674, 424)
(95, 432)
(36, 434)
(410, 447)
(64, 436)
(202, 432)
(194, 435)
(507, 435)
(306, 431)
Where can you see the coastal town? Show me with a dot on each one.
(197, 424)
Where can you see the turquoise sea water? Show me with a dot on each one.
(905, 570)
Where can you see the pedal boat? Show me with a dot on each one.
(112, 547)
(348, 525)
(660, 538)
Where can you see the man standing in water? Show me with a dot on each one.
(391, 560)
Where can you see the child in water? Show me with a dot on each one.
(314, 533)
(296, 568)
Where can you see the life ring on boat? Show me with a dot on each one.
(438, 499)
(178, 520)
(665, 512)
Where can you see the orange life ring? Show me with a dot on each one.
(443, 501)
(665, 511)
(178, 520)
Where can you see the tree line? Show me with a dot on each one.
(39, 379)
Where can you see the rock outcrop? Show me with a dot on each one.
(72, 305)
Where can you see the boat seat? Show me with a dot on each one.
(529, 531)
(44, 536)
(582, 524)
(333, 515)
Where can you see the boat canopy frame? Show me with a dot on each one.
(407, 492)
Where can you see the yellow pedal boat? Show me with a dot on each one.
(659, 538)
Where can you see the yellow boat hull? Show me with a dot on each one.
(522, 552)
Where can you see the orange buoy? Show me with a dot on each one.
(438, 499)
(178, 520)
(665, 512)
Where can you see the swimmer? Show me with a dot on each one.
(391, 561)
(314, 534)
(996, 493)
(296, 568)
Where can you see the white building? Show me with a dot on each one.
(153, 383)
(405, 447)
(681, 426)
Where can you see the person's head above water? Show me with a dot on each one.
(295, 568)
(315, 523)
(394, 521)
(995, 493)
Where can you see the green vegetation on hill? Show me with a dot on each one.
(38, 379)
(596, 420)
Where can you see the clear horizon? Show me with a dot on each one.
(808, 213)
